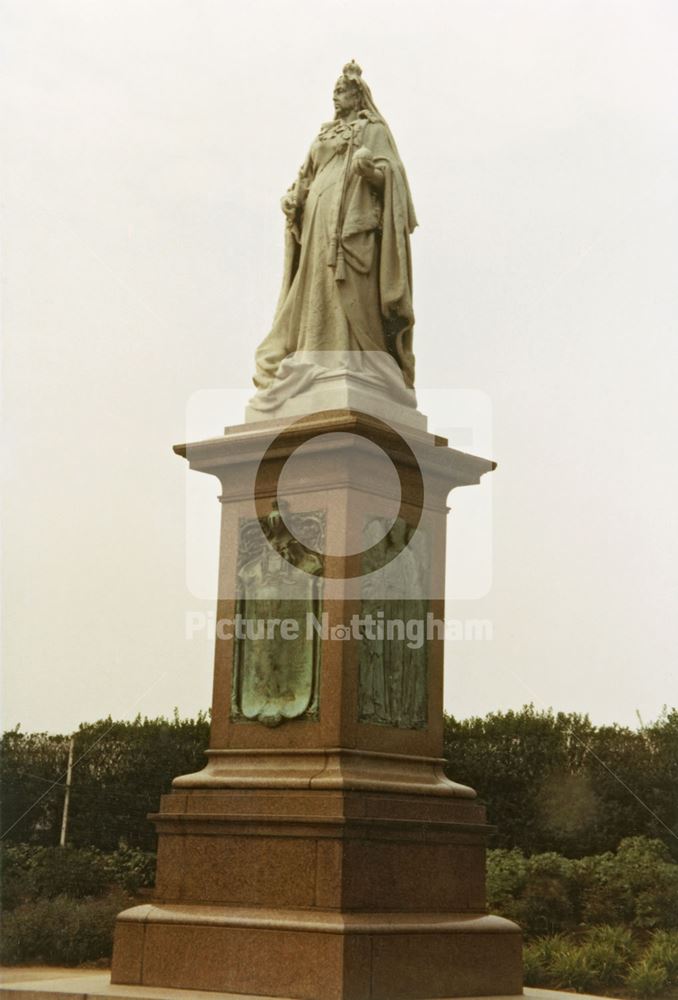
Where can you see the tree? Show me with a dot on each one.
(558, 783)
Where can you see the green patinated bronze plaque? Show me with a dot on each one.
(276, 654)
(393, 662)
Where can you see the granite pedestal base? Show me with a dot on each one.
(322, 853)
(320, 895)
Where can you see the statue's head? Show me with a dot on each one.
(349, 90)
(398, 535)
(274, 524)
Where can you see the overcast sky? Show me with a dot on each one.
(147, 143)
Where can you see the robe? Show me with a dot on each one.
(348, 278)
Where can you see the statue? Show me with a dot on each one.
(276, 679)
(393, 674)
(347, 283)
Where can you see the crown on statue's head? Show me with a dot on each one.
(352, 71)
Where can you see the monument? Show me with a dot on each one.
(322, 853)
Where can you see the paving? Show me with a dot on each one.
(49, 983)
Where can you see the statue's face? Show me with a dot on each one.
(398, 534)
(344, 98)
(275, 521)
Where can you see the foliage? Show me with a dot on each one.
(663, 950)
(32, 770)
(648, 978)
(57, 871)
(60, 931)
(555, 782)
(552, 782)
(638, 884)
(588, 967)
(32, 873)
(547, 893)
(539, 893)
(131, 869)
(539, 956)
(578, 851)
(604, 959)
(121, 770)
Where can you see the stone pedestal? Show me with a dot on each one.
(322, 854)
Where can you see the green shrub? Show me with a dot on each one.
(130, 868)
(606, 965)
(60, 931)
(647, 978)
(604, 960)
(538, 959)
(637, 886)
(30, 873)
(556, 782)
(541, 893)
(122, 770)
(45, 872)
(619, 938)
(663, 949)
(598, 962)
(534, 972)
(547, 893)
(68, 871)
(506, 877)
(549, 898)
(570, 969)
(13, 877)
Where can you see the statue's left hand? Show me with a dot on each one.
(363, 162)
(364, 166)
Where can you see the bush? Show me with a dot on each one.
(556, 782)
(573, 967)
(540, 893)
(506, 878)
(121, 770)
(637, 886)
(552, 782)
(32, 873)
(618, 939)
(131, 869)
(648, 978)
(663, 950)
(60, 931)
(67, 871)
(546, 893)
(538, 958)
(605, 959)
(598, 962)
(550, 896)
(14, 879)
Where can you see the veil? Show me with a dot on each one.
(352, 73)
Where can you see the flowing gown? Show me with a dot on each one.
(347, 284)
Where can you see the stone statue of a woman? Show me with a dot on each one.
(347, 284)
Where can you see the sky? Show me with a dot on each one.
(146, 147)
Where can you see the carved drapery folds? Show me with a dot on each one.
(276, 653)
(393, 651)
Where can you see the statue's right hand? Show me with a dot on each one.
(289, 204)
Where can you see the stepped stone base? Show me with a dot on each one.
(325, 894)
(320, 955)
